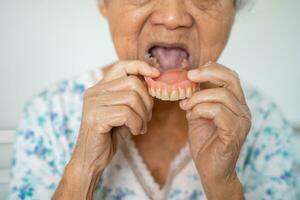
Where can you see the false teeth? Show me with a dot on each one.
(165, 95)
(181, 93)
(188, 92)
(175, 95)
(172, 84)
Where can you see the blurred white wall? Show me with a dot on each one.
(43, 41)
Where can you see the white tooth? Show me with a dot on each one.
(165, 95)
(193, 90)
(181, 93)
(156, 64)
(174, 95)
(149, 91)
(153, 61)
(152, 91)
(184, 63)
(158, 93)
(148, 56)
(188, 92)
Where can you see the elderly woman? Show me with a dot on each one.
(166, 121)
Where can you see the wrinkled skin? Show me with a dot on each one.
(219, 121)
(215, 120)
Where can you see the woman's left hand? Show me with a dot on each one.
(218, 121)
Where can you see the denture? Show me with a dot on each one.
(172, 84)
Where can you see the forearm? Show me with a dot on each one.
(77, 183)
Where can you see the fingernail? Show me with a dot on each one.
(155, 70)
(193, 73)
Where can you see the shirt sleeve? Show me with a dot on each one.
(34, 173)
(268, 168)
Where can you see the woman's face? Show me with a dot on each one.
(196, 30)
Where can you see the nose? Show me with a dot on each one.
(171, 14)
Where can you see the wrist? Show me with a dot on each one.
(84, 176)
(78, 182)
(224, 189)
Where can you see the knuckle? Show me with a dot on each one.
(219, 108)
(126, 111)
(224, 93)
(133, 98)
(216, 67)
(204, 69)
(102, 128)
(250, 115)
(87, 93)
(247, 111)
(133, 95)
(195, 97)
(87, 104)
(90, 117)
(248, 124)
(120, 64)
(138, 63)
(235, 73)
(229, 148)
(197, 109)
(133, 81)
(229, 145)
(236, 81)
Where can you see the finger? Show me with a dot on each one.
(206, 129)
(215, 95)
(119, 116)
(120, 135)
(222, 117)
(125, 83)
(124, 97)
(124, 68)
(220, 76)
(225, 120)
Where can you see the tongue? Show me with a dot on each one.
(169, 58)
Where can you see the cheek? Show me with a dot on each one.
(214, 34)
(125, 27)
(125, 44)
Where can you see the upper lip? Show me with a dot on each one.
(167, 45)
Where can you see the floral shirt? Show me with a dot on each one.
(49, 127)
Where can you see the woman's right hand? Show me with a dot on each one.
(115, 107)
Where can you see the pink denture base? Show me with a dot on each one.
(171, 80)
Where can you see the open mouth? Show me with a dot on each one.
(168, 57)
(173, 63)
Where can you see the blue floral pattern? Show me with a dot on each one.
(49, 127)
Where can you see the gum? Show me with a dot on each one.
(171, 80)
